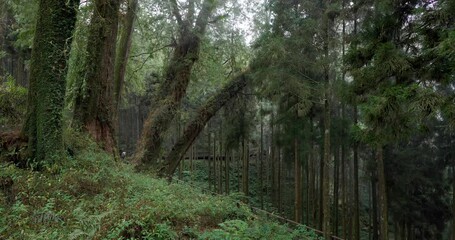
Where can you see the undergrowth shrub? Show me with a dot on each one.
(13, 102)
(95, 197)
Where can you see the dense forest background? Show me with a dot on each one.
(335, 114)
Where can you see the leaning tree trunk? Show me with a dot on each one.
(94, 106)
(173, 89)
(205, 113)
(123, 50)
(54, 28)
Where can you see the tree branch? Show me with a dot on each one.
(190, 13)
(176, 12)
(203, 18)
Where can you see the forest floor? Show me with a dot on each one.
(93, 197)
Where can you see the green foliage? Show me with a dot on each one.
(25, 13)
(238, 229)
(13, 99)
(92, 196)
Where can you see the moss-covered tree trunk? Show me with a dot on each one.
(54, 28)
(205, 113)
(176, 79)
(94, 106)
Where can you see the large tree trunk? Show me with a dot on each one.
(173, 89)
(94, 106)
(54, 28)
(205, 113)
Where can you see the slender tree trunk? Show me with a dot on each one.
(384, 223)
(182, 163)
(228, 155)
(55, 24)
(215, 158)
(298, 182)
(320, 179)
(344, 193)
(220, 165)
(239, 168)
(356, 185)
(453, 199)
(326, 169)
(209, 162)
(374, 196)
(245, 168)
(191, 161)
(355, 152)
(280, 182)
(261, 159)
(336, 190)
(274, 177)
(312, 199)
(94, 107)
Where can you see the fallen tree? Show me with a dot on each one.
(205, 113)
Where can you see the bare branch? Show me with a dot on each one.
(218, 18)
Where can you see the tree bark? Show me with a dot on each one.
(173, 89)
(54, 28)
(205, 113)
(94, 107)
